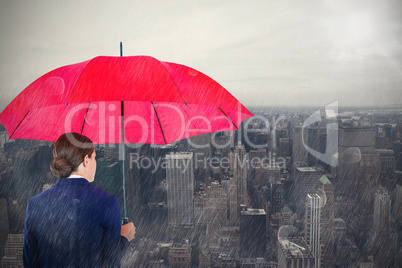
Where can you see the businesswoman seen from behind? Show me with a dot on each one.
(74, 224)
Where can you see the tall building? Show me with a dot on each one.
(199, 204)
(256, 158)
(366, 173)
(258, 154)
(294, 253)
(204, 258)
(274, 174)
(223, 142)
(230, 187)
(366, 177)
(287, 217)
(200, 144)
(326, 190)
(317, 141)
(353, 142)
(388, 161)
(339, 230)
(180, 188)
(299, 152)
(240, 175)
(384, 239)
(398, 202)
(4, 225)
(215, 209)
(284, 147)
(306, 179)
(13, 251)
(277, 193)
(312, 226)
(180, 255)
(233, 207)
(397, 147)
(382, 211)
(3, 139)
(252, 233)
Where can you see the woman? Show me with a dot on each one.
(74, 224)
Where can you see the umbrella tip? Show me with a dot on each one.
(121, 49)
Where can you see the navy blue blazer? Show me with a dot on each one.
(73, 224)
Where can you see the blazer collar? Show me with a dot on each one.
(70, 181)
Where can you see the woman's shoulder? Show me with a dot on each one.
(58, 192)
(102, 193)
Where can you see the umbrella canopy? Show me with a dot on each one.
(161, 102)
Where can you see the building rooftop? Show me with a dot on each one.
(324, 179)
(306, 169)
(286, 208)
(180, 155)
(253, 211)
(385, 151)
(295, 247)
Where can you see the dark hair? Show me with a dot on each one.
(69, 151)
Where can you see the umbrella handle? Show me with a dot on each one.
(124, 220)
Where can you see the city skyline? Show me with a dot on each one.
(304, 211)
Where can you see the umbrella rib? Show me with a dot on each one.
(19, 123)
(228, 117)
(182, 97)
(75, 83)
(159, 122)
(85, 118)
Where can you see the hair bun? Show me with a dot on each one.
(61, 167)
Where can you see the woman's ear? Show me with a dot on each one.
(86, 161)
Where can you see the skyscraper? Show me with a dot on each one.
(382, 211)
(233, 207)
(294, 253)
(358, 175)
(277, 193)
(252, 233)
(352, 142)
(4, 224)
(383, 241)
(287, 217)
(14, 250)
(366, 177)
(180, 254)
(274, 173)
(180, 188)
(316, 141)
(240, 174)
(326, 190)
(284, 147)
(215, 210)
(306, 179)
(312, 226)
(299, 153)
(398, 202)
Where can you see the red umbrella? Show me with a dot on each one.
(162, 102)
(157, 103)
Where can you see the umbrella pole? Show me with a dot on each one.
(125, 219)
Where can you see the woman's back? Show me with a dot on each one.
(73, 224)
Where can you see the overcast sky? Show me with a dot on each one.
(264, 52)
